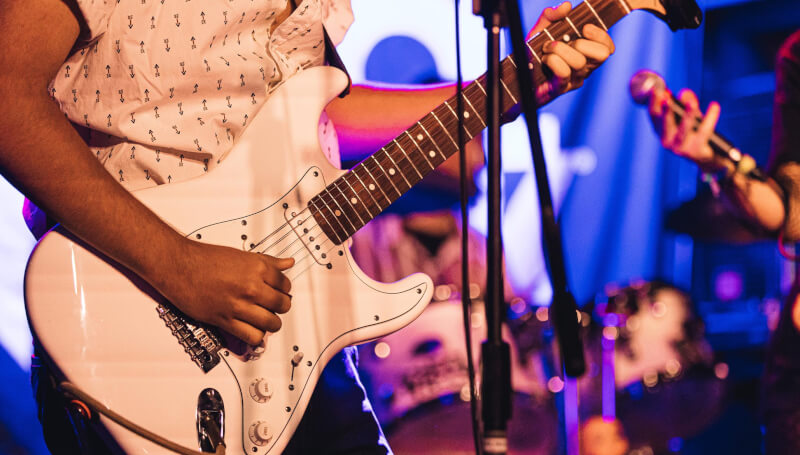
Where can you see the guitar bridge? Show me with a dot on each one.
(200, 343)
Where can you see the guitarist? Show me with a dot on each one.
(157, 92)
(774, 207)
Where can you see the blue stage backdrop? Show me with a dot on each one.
(607, 169)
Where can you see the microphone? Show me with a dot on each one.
(645, 83)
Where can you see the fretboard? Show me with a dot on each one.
(355, 198)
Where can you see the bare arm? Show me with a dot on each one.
(759, 202)
(43, 156)
(371, 116)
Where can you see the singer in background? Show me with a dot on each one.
(772, 205)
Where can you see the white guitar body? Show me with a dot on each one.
(101, 329)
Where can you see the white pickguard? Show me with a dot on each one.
(104, 335)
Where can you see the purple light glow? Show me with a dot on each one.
(728, 285)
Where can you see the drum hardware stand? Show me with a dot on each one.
(496, 385)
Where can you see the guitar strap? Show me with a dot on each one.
(334, 60)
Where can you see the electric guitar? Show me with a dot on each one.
(105, 331)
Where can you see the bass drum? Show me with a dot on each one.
(417, 381)
(667, 383)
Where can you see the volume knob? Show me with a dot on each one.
(260, 390)
(260, 433)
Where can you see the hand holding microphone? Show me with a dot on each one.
(686, 132)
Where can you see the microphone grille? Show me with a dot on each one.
(644, 83)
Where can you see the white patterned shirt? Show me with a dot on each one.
(166, 86)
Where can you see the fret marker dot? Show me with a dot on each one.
(419, 137)
(530, 65)
(354, 201)
(466, 114)
(371, 187)
(432, 154)
(565, 38)
(337, 213)
(391, 171)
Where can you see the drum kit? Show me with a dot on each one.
(650, 376)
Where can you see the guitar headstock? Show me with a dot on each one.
(678, 14)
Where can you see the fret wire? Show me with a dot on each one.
(369, 192)
(386, 174)
(475, 111)
(424, 155)
(561, 30)
(409, 160)
(341, 210)
(580, 15)
(456, 116)
(322, 199)
(478, 83)
(539, 42)
(396, 167)
(444, 129)
(573, 27)
(325, 219)
(444, 157)
(378, 185)
(474, 92)
(532, 52)
(358, 198)
(595, 14)
(508, 91)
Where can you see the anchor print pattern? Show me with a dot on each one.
(174, 84)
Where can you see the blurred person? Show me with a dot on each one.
(773, 208)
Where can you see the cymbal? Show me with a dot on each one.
(705, 218)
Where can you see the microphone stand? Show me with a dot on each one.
(495, 353)
(496, 383)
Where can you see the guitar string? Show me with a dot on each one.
(287, 234)
(580, 16)
(303, 246)
(278, 229)
(302, 249)
(297, 275)
(402, 161)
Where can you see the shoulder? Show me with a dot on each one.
(787, 70)
(790, 49)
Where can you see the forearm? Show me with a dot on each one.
(759, 202)
(44, 157)
(371, 116)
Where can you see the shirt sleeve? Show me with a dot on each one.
(93, 16)
(337, 15)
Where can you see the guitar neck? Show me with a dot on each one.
(351, 201)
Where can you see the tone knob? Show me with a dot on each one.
(260, 390)
(260, 433)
